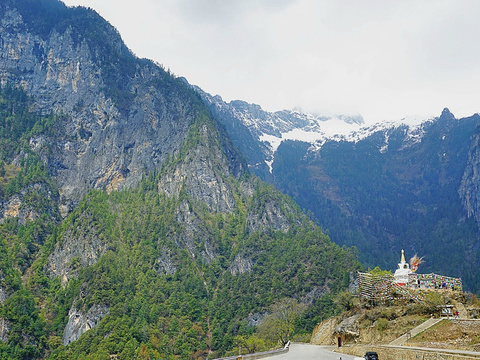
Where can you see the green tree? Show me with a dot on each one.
(345, 300)
(279, 324)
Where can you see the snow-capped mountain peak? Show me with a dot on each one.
(272, 128)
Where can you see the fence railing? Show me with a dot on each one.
(254, 356)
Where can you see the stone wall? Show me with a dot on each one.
(403, 353)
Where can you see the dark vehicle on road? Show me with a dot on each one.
(371, 355)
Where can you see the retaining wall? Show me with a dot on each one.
(404, 353)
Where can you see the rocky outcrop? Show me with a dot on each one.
(4, 327)
(3, 295)
(326, 332)
(241, 265)
(123, 115)
(323, 332)
(255, 319)
(316, 293)
(348, 326)
(78, 322)
(166, 263)
(79, 248)
(193, 233)
(202, 175)
(23, 205)
(469, 190)
(10, 208)
(270, 215)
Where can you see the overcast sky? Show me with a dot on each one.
(383, 59)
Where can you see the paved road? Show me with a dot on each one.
(310, 352)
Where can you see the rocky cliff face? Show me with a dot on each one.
(15, 206)
(4, 327)
(80, 246)
(202, 174)
(123, 114)
(202, 182)
(78, 322)
(206, 174)
(469, 189)
(212, 175)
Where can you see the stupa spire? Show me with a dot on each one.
(401, 274)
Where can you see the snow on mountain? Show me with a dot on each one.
(272, 128)
(316, 132)
(337, 129)
(413, 127)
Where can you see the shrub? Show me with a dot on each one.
(382, 324)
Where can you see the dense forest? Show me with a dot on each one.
(406, 197)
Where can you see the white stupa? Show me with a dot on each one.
(401, 274)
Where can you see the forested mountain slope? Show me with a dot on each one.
(391, 191)
(381, 188)
(129, 224)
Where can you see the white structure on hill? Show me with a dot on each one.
(401, 276)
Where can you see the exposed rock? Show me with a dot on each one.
(255, 319)
(194, 233)
(104, 141)
(166, 262)
(353, 284)
(270, 215)
(78, 322)
(3, 295)
(348, 326)
(240, 265)
(323, 333)
(469, 190)
(11, 207)
(4, 327)
(78, 250)
(200, 175)
(317, 292)
(474, 313)
(64, 210)
(16, 207)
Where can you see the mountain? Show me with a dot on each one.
(125, 114)
(396, 185)
(130, 226)
(258, 133)
(399, 188)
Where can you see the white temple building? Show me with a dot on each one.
(401, 276)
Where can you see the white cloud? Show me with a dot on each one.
(383, 59)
